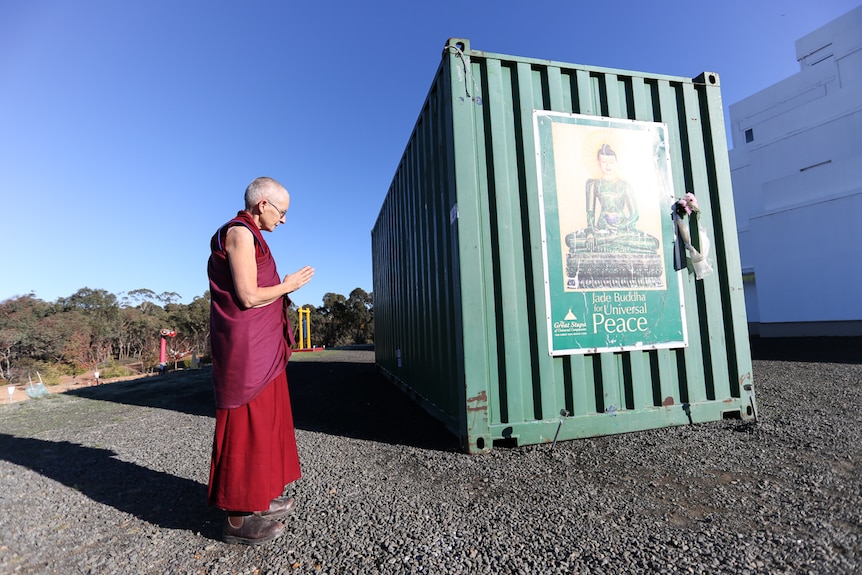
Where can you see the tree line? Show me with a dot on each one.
(120, 335)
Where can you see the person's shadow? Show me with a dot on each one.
(159, 498)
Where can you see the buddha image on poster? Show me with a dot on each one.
(608, 190)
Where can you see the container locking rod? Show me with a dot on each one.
(747, 387)
(563, 414)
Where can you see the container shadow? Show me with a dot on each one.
(99, 475)
(351, 399)
(333, 396)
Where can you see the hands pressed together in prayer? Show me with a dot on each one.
(298, 278)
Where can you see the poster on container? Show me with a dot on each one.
(606, 194)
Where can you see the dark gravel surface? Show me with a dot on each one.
(112, 479)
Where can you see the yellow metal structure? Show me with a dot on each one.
(304, 328)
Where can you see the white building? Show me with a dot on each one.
(796, 167)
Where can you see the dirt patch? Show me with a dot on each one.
(67, 383)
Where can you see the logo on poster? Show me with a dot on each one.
(570, 325)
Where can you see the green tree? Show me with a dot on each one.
(142, 317)
(77, 352)
(330, 316)
(192, 323)
(143, 299)
(54, 330)
(168, 297)
(19, 321)
(360, 314)
(140, 333)
(345, 321)
(102, 313)
(91, 327)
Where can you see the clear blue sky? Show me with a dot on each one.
(129, 130)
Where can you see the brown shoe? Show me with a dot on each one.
(278, 507)
(253, 531)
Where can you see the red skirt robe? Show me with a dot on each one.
(254, 451)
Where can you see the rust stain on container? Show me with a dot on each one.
(478, 403)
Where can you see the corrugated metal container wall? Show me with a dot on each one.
(459, 281)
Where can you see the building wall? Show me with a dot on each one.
(796, 166)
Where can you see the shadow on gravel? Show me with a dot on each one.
(159, 498)
(807, 349)
(183, 391)
(336, 397)
(353, 400)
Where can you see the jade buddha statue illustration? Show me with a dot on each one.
(612, 214)
(611, 251)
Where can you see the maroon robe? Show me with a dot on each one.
(248, 345)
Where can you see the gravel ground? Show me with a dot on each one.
(112, 479)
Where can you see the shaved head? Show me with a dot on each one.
(261, 189)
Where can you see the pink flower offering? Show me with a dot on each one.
(689, 197)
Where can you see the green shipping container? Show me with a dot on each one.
(530, 283)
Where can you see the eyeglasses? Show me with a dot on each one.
(280, 213)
